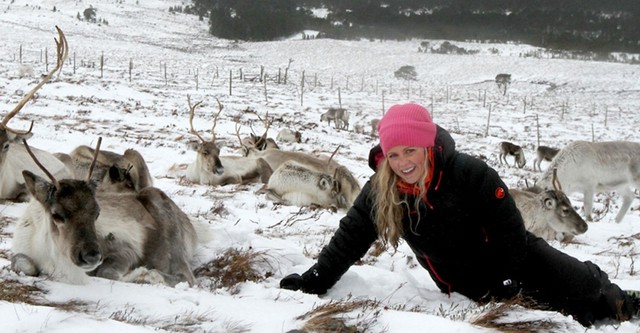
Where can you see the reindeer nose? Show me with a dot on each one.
(219, 170)
(91, 257)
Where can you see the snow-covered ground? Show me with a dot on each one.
(172, 56)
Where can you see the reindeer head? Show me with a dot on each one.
(208, 152)
(255, 142)
(72, 211)
(568, 220)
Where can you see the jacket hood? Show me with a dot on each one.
(443, 150)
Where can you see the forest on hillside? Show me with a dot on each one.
(582, 25)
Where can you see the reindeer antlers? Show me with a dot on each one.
(555, 181)
(51, 177)
(46, 172)
(62, 52)
(192, 109)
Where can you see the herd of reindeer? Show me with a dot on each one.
(97, 213)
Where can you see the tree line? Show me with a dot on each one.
(588, 25)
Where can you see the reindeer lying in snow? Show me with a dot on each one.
(591, 167)
(212, 169)
(70, 231)
(304, 180)
(13, 156)
(294, 183)
(131, 165)
(549, 214)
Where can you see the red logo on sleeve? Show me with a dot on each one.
(500, 193)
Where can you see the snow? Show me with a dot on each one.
(568, 99)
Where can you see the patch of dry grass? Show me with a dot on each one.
(338, 317)
(16, 292)
(496, 317)
(235, 266)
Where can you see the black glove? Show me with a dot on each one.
(291, 282)
(505, 289)
(310, 282)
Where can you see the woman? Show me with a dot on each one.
(457, 216)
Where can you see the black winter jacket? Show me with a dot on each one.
(470, 236)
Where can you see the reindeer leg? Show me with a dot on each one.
(22, 263)
(588, 204)
(627, 197)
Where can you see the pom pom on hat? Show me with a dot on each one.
(406, 125)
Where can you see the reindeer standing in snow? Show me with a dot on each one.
(591, 167)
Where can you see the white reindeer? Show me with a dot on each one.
(13, 156)
(25, 70)
(305, 180)
(508, 148)
(69, 231)
(294, 183)
(591, 167)
(549, 213)
(289, 135)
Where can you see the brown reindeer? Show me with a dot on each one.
(69, 231)
(508, 148)
(544, 153)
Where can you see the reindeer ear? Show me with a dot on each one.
(19, 137)
(549, 203)
(193, 145)
(39, 188)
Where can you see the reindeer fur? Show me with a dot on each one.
(591, 167)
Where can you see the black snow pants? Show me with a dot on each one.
(573, 287)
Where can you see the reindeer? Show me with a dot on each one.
(260, 142)
(374, 127)
(289, 135)
(508, 148)
(212, 169)
(339, 116)
(503, 81)
(544, 153)
(13, 156)
(131, 165)
(25, 70)
(549, 213)
(591, 167)
(69, 231)
(305, 180)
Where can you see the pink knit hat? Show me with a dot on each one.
(406, 125)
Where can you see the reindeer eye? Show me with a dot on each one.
(57, 218)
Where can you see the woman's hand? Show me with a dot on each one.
(309, 282)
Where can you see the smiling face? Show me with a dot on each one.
(408, 162)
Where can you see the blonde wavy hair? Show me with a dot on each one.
(388, 205)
